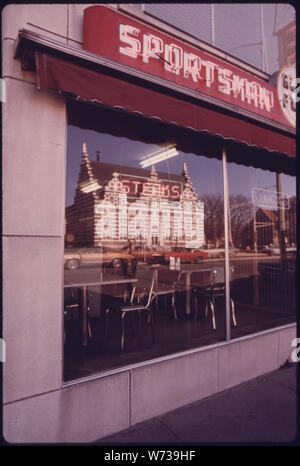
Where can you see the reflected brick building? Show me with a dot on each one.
(266, 226)
(117, 206)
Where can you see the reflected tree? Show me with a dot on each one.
(241, 214)
(213, 219)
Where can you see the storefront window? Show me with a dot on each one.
(134, 210)
(144, 251)
(262, 243)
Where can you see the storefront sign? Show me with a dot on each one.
(268, 199)
(118, 37)
(134, 187)
(286, 86)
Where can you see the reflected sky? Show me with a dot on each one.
(237, 27)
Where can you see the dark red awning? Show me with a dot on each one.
(55, 73)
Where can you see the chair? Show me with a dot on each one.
(129, 271)
(164, 287)
(71, 303)
(216, 289)
(179, 285)
(142, 291)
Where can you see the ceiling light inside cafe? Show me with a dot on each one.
(159, 156)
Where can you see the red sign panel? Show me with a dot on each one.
(130, 42)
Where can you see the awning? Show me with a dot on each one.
(89, 85)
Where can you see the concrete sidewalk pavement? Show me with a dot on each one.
(261, 410)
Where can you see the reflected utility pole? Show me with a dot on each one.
(254, 229)
(281, 219)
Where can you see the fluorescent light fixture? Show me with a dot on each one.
(89, 186)
(159, 156)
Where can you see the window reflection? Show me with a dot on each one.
(262, 224)
(127, 225)
(145, 251)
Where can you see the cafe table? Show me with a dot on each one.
(188, 272)
(105, 279)
(185, 271)
(169, 280)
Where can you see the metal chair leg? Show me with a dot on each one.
(212, 306)
(149, 317)
(89, 330)
(174, 306)
(134, 323)
(106, 325)
(156, 302)
(195, 305)
(150, 320)
(139, 318)
(88, 323)
(233, 312)
(123, 330)
(206, 308)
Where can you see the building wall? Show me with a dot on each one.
(37, 407)
(87, 411)
(34, 146)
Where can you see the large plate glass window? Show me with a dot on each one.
(138, 207)
(262, 252)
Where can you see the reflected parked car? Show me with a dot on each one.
(187, 255)
(272, 251)
(215, 253)
(74, 258)
(148, 255)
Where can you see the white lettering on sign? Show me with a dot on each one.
(173, 58)
(224, 79)
(209, 72)
(152, 47)
(133, 45)
(238, 87)
(176, 60)
(266, 98)
(192, 66)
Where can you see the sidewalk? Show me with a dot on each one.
(262, 410)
